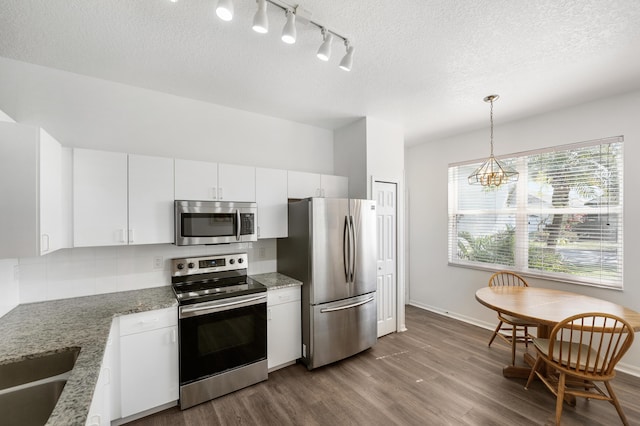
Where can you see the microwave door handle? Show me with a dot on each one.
(238, 225)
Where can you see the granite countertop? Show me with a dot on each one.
(37, 329)
(275, 280)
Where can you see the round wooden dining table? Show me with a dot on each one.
(546, 307)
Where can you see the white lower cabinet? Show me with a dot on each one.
(284, 328)
(100, 410)
(148, 360)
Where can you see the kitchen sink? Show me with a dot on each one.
(31, 405)
(30, 388)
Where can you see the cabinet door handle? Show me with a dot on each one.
(214, 193)
(174, 338)
(258, 232)
(269, 314)
(45, 237)
(107, 375)
(220, 193)
(123, 233)
(130, 235)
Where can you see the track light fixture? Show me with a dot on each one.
(260, 20)
(347, 60)
(324, 52)
(289, 30)
(224, 10)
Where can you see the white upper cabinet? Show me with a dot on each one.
(334, 186)
(31, 220)
(271, 196)
(303, 185)
(99, 198)
(150, 200)
(236, 183)
(204, 181)
(120, 199)
(196, 180)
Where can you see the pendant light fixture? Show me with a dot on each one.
(224, 10)
(493, 172)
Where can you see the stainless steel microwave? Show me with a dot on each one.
(215, 222)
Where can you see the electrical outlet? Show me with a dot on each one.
(262, 253)
(158, 262)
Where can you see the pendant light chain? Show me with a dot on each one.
(491, 118)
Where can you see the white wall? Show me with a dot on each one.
(91, 113)
(350, 148)
(87, 112)
(450, 290)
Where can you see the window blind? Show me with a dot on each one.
(562, 219)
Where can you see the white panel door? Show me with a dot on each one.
(196, 180)
(303, 184)
(99, 198)
(236, 183)
(150, 200)
(271, 196)
(385, 196)
(334, 186)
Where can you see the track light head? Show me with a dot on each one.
(289, 30)
(347, 61)
(324, 52)
(224, 10)
(260, 20)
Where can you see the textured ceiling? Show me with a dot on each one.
(422, 64)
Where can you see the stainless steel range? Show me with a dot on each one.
(222, 326)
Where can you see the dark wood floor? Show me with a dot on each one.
(439, 372)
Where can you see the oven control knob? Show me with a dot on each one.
(240, 260)
(231, 261)
(180, 266)
(192, 265)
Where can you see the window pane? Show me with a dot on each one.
(562, 219)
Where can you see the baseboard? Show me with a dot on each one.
(621, 367)
(121, 421)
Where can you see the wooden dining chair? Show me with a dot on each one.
(518, 329)
(586, 348)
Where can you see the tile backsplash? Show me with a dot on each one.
(9, 291)
(96, 270)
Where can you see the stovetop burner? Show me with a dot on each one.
(202, 279)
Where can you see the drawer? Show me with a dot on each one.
(283, 295)
(150, 320)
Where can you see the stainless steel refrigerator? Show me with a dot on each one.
(331, 249)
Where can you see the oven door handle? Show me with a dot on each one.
(218, 306)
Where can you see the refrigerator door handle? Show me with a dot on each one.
(353, 250)
(342, 308)
(346, 235)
